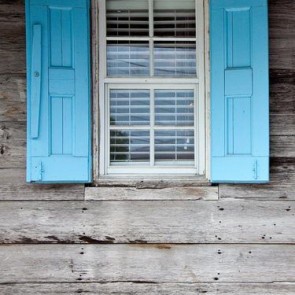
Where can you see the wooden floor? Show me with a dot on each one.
(147, 239)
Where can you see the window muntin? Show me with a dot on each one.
(159, 61)
(151, 125)
(151, 38)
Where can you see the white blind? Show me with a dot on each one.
(174, 108)
(127, 18)
(175, 59)
(129, 107)
(175, 23)
(129, 146)
(174, 145)
(126, 58)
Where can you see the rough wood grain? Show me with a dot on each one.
(12, 98)
(147, 263)
(282, 34)
(150, 289)
(282, 124)
(282, 146)
(12, 61)
(13, 186)
(281, 187)
(12, 144)
(282, 91)
(157, 193)
(147, 222)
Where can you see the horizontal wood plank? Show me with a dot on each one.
(147, 222)
(12, 145)
(281, 33)
(282, 91)
(13, 186)
(282, 146)
(12, 98)
(280, 188)
(147, 263)
(209, 193)
(282, 124)
(126, 288)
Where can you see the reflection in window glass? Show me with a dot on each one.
(127, 18)
(174, 107)
(127, 58)
(129, 146)
(129, 107)
(174, 145)
(175, 59)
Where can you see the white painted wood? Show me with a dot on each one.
(201, 128)
(102, 75)
(126, 288)
(207, 87)
(150, 167)
(178, 222)
(103, 149)
(95, 87)
(147, 263)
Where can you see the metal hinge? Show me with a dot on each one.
(255, 170)
(37, 171)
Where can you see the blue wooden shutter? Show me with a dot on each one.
(58, 92)
(239, 91)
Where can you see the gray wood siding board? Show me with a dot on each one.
(280, 188)
(147, 222)
(282, 146)
(13, 186)
(147, 263)
(150, 289)
(209, 193)
(12, 98)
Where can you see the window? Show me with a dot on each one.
(151, 76)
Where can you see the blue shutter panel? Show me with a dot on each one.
(58, 92)
(239, 91)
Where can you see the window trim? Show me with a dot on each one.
(202, 83)
(165, 169)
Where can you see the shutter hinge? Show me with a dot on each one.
(37, 171)
(255, 170)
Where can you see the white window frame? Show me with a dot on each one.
(101, 149)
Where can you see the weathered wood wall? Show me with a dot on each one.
(65, 239)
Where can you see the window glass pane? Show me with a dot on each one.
(175, 18)
(127, 18)
(126, 58)
(175, 59)
(129, 146)
(129, 107)
(174, 145)
(174, 107)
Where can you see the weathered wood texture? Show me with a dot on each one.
(209, 193)
(246, 237)
(281, 186)
(147, 222)
(13, 186)
(150, 289)
(12, 98)
(147, 263)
